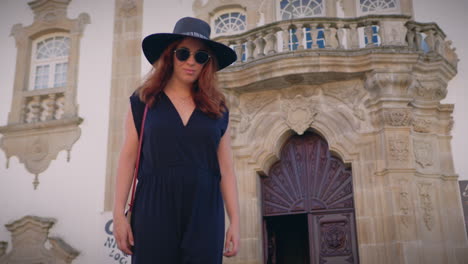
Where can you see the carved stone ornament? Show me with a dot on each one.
(250, 105)
(359, 113)
(388, 83)
(81, 22)
(404, 202)
(423, 153)
(449, 126)
(450, 53)
(350, 94)
(433, 90)
(398, 117)
(399, 148)
(49, 11)
(128, 7)
(299, 112)
(393, 33)
(426, 204)
(422, 125)
(37, 146)
(29, 236)
(17, 31)
(3, 248)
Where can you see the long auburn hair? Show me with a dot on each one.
(205, 91)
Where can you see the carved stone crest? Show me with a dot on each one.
(423, 153)
(299, 112)
(399, 148)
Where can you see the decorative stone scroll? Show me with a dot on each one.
(404, 203)
(426, 204)
(29, 237)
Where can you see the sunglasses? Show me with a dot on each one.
(201, 57)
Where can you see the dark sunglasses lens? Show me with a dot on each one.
(182, 54)
(201, 57)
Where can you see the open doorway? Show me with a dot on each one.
(288, 239)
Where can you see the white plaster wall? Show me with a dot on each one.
(452, 19)
(71, 192)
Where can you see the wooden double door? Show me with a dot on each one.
(308, 208)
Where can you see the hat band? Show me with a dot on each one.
(194, 34)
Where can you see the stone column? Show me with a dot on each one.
(126, 72)
(416, 219)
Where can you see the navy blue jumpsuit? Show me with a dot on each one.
(178, 214)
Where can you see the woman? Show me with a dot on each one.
(186, 168)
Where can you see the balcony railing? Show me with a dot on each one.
(341, 34)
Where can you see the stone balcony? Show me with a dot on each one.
(372, 88)
(274, 55)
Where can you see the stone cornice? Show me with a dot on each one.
(339, 64)
(30, 127)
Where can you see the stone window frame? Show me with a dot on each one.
(37, 142)
(279, 15)
(227, 10)
(52, 62)
(396, 10)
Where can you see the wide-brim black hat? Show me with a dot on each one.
(154, 45)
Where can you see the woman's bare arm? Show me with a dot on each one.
(126, 165)
(229, 192)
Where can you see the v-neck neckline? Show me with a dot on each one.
(177, 112)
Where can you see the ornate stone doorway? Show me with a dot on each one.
(308, 208)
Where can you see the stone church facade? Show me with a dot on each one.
(341, 143)
(340, 139)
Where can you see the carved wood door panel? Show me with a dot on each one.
(309, 180)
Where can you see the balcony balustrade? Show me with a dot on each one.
(376, 32)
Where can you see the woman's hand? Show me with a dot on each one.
(123, 234)
(232, 240)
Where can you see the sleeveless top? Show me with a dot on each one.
(168, 142)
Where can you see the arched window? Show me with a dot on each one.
(228, 23)
(377, 6)
(290, 9)
(45, 87)
(49, 62)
